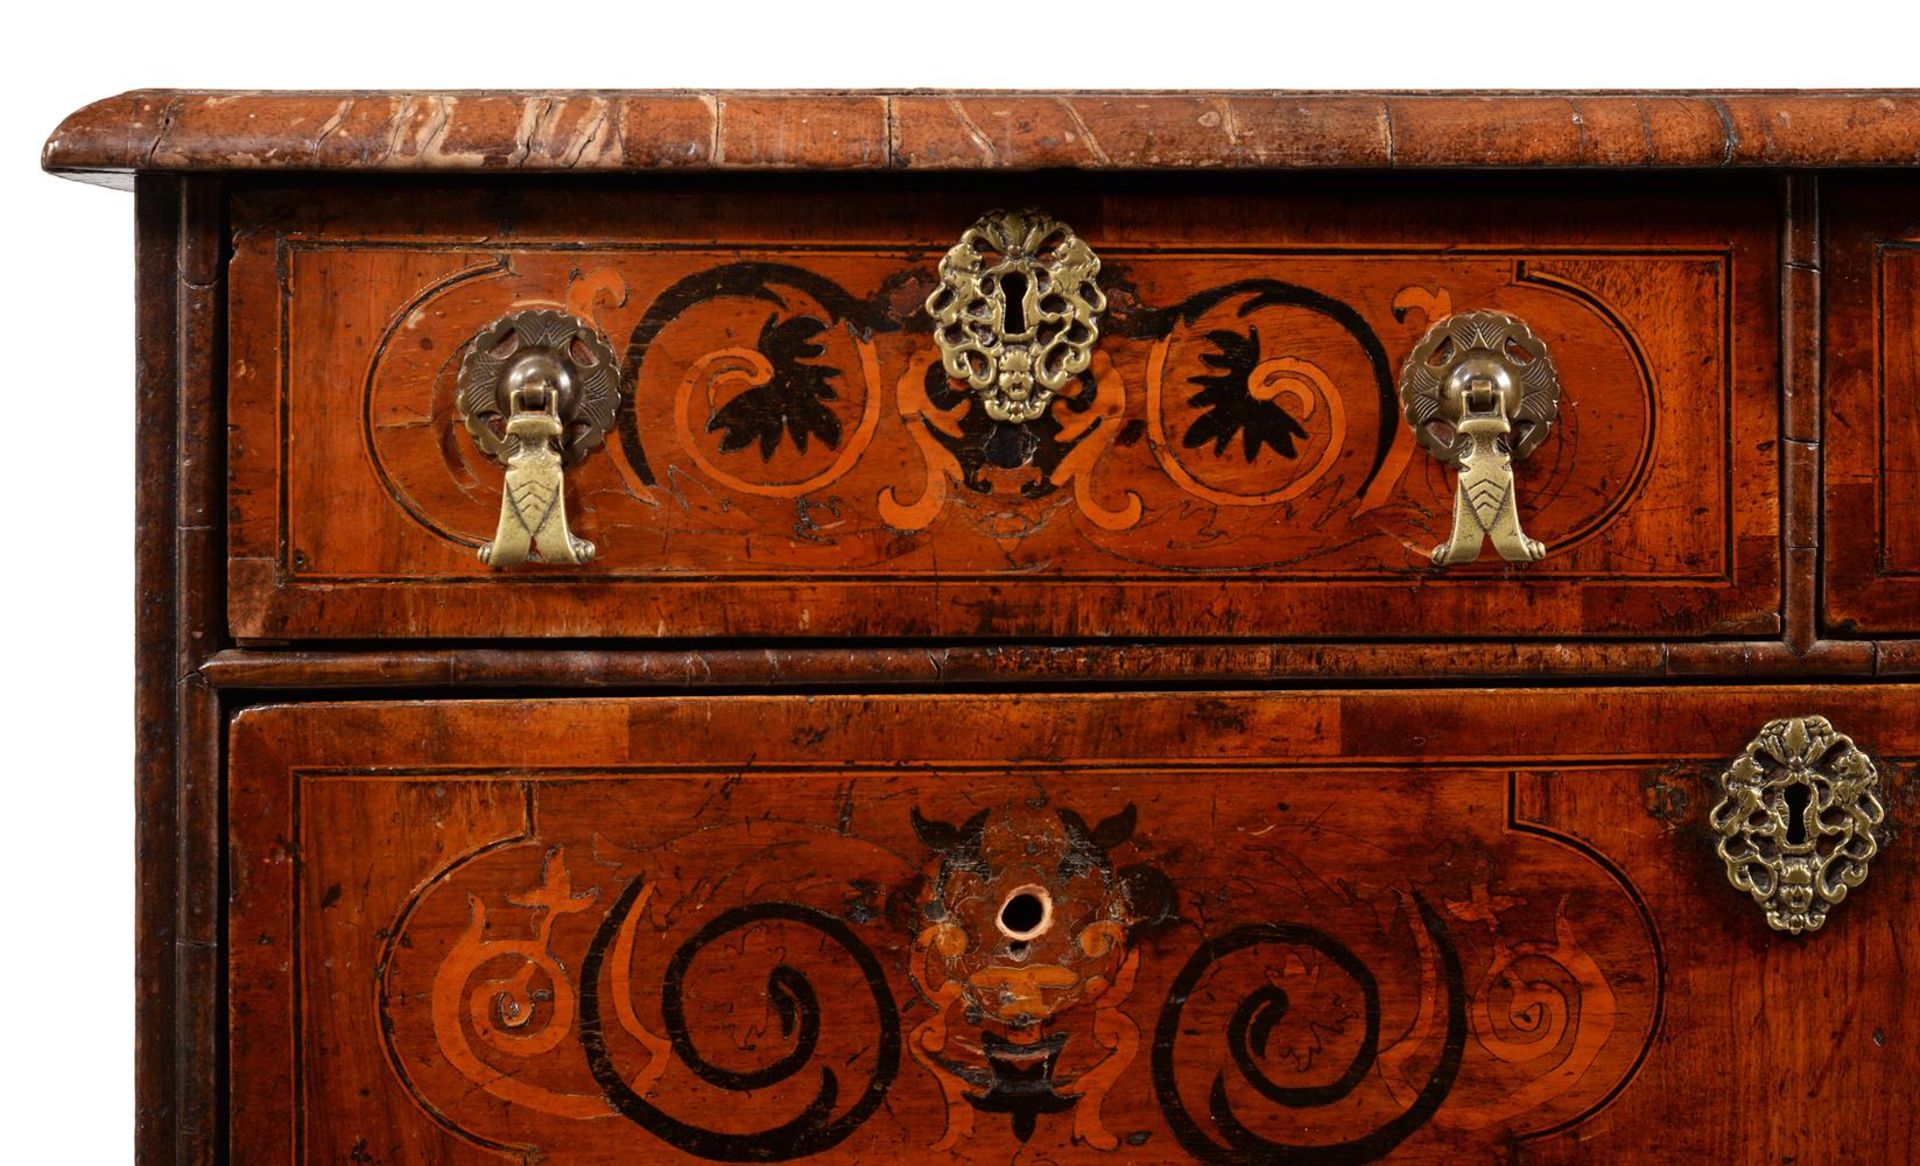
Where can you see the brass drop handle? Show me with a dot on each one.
(537, 390)
(1481, 393)
(1799, 820)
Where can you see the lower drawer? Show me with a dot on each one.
(1434, 926)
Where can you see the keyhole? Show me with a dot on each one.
(1013, 286)
(1798, 795)
(1026, 913)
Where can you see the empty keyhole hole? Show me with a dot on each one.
(1026, 913)
(1013, 286)
(1797, 798)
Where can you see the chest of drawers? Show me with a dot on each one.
(999, 627)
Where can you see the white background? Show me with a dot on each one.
(66, 401)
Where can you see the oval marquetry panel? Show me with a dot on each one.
(1224, 928)
(1290, 949)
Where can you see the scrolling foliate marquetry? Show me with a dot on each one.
(648, 963)
(790, 412)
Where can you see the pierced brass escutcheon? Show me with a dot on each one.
(1799, 820)
(1481, 393)
(537, 390)
(1017, 311)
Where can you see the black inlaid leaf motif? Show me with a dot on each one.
(1231, 408)
(791, 400)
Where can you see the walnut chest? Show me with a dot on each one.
(990, 627)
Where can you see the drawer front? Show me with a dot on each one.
(1872, 434)
(1440, 926)
(790, 458)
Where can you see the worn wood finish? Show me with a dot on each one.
(158, 673)
(353, 479)
(479, 967)
(1083, 665)
(1872, 496)
(181, 622)
(558, 132)
(1801, 340)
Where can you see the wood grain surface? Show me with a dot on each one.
(359, 499)
(1872, 495)
(1455, 925)
(180, 622)
(561, 132)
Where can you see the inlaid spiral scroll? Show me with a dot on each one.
(752, 989)
(792, 996)
(1231, 1140)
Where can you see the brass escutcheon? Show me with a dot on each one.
(1017, 311)
(537, 390)
(1481, 393)
(1799, 820)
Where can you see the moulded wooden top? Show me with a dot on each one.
(621, 131)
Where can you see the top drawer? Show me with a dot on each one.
(789, 457)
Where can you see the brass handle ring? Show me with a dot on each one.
(1481, 393)
(537, 390)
